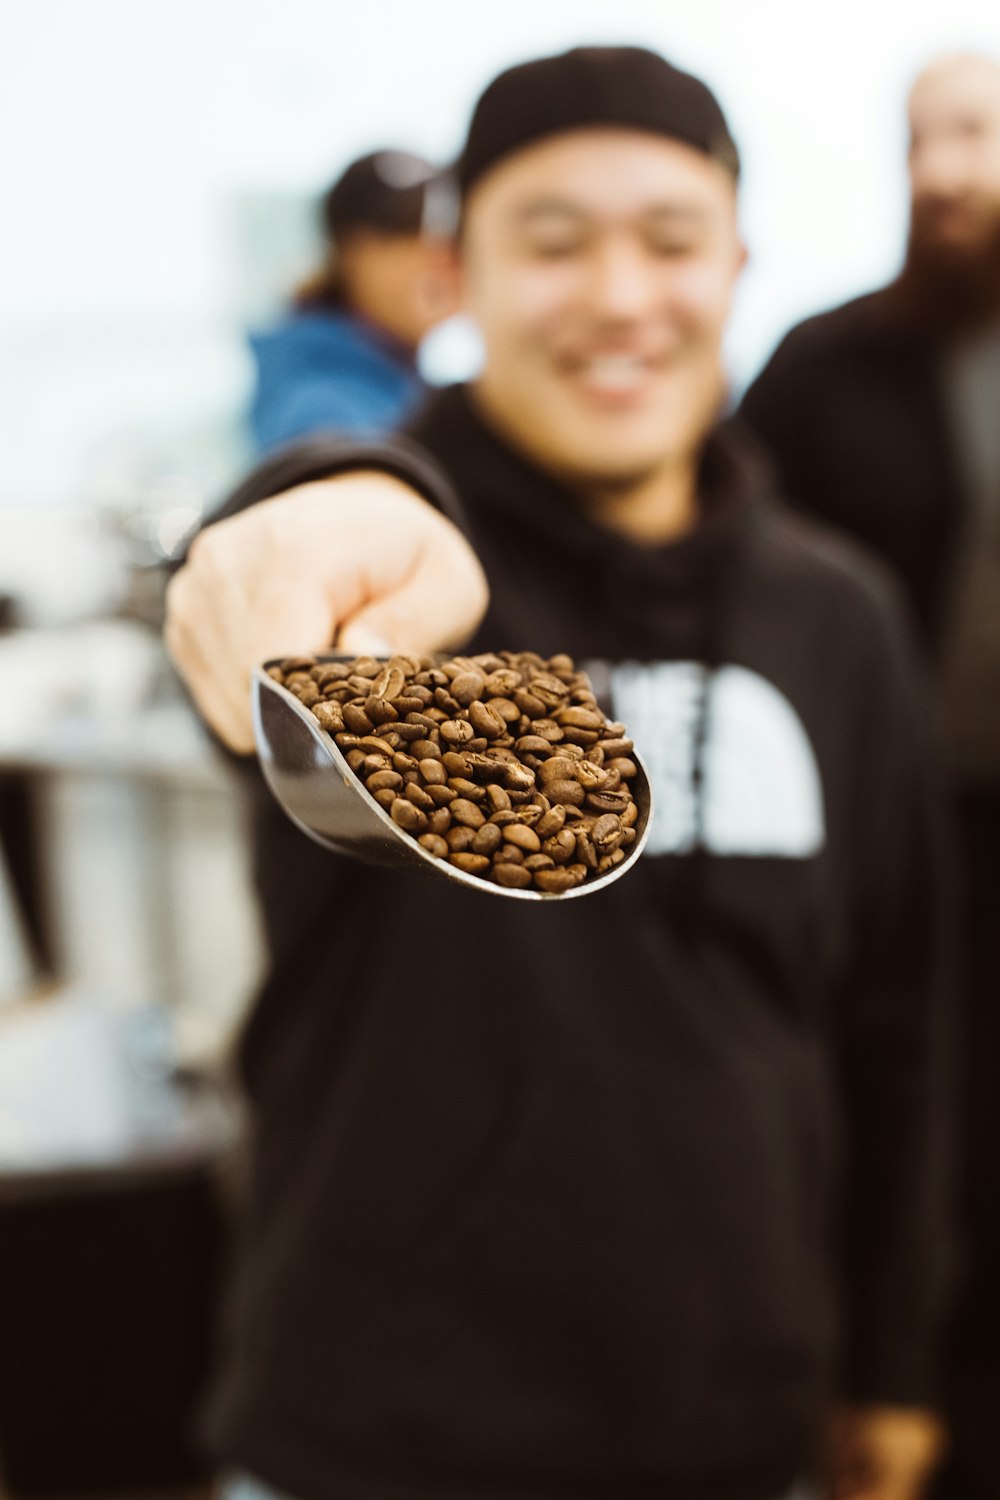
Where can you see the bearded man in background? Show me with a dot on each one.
(884, 418)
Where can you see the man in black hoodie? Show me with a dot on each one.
(609, 1197)
(883, 417)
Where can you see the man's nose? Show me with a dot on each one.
(621, 283)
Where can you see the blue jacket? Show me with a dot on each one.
(324, 371)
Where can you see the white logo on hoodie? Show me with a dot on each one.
(762, 787)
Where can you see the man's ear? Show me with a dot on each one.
(447, 275)
(742, 256)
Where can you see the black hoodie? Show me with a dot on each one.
(601, 1198)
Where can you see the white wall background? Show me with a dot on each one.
(130, 136)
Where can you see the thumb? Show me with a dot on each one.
(437, 606)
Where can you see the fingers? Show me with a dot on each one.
(438, 604)
(222, 697)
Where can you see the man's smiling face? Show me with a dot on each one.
(600, 266)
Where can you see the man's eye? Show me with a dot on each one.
(669, 247)
(560, 249)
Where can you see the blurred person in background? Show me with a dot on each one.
(344, 358)
(884, 418)
(612, 1197)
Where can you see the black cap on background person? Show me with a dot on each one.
(380, 199)
(385, 192)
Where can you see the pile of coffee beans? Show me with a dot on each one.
(502, 764)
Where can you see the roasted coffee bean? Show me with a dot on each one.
(519, 778)
(590, 776)
(486, 721)
(626, 768)
(375, 744)
(523, 837)
(505, 708)
(487, 839)
(408, 703)
(329, 716)
(561, 846)
(356, 719)
(607, 833)
(470, 789)
(568, 793)
(529, 704)
(497, 797)
(533, 744)
(457, 732)
(389, 683)
(502, 683)
(457, 764)
(502, 763)
(605, 802)
(615, 747)
(379, 711)
(506, 817)
(384, 779)
(512, 877)
(547, 729)
(464, 811)
(472, 864)
(407, 816)
(558, 767)
(585, 851)
(555, 882)
(441, 795)
(324, 674)
(550, 822)
(467, 686)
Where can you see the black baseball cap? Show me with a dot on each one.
(626, 86)
(386, 191)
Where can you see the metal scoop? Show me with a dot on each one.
(307, 773)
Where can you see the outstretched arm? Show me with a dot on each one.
(360, 560)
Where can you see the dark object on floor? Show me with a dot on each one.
(108, 1286)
